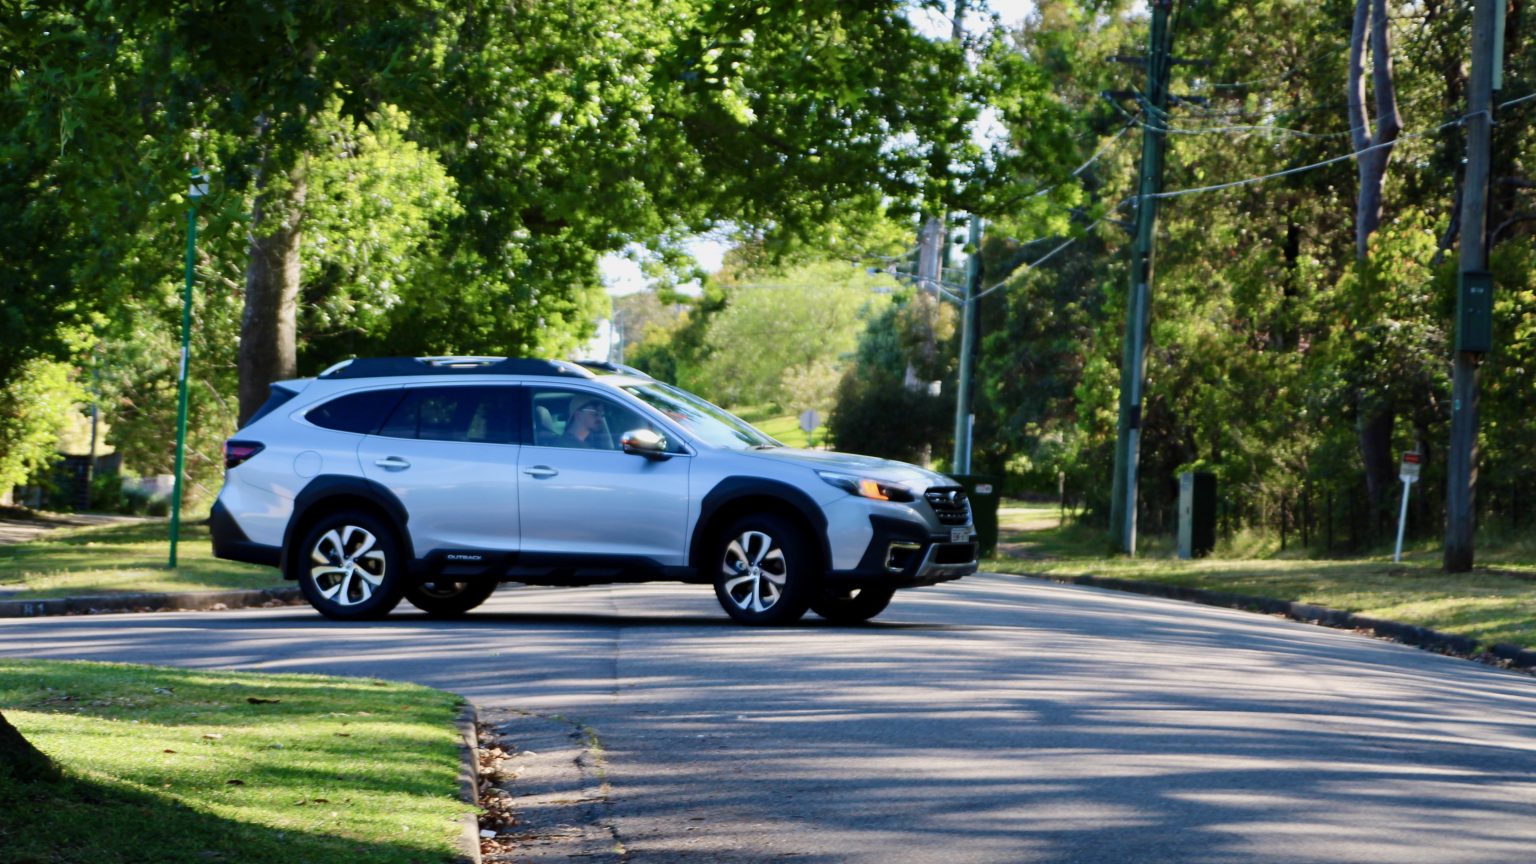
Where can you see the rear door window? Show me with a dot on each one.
(483, 415)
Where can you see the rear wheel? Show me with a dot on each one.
(349, 566)
(851, 605)
(449, 599)
(764, 570)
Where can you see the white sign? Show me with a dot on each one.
(809, 421)
(1408, 471)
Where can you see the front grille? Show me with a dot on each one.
(949, 504)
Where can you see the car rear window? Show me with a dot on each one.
(355, 412)
(276, 396)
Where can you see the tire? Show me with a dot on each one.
(449, 599)
(764, 570)
(349, 566)
(852, 605)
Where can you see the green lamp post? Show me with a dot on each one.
(195, 193)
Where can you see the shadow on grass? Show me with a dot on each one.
(80, 819)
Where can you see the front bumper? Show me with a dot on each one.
(904, 555)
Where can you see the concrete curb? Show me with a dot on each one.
(96, 604)
(1407, 634)
(468, 723)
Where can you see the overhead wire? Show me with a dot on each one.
(1406, 136)
(1458, 121)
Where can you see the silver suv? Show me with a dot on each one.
(435, 479)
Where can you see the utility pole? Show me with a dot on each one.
(1122, 505)
(962, 461)
(1474, 295)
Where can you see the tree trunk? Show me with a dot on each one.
(1375, 434)
(19, 759)
(270, 322)
(1370, 29)
(1375, 416)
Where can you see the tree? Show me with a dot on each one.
(34, 405)
(784, 330)
(884, 406)
(1375, 415)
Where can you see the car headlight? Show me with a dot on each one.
(867, 487)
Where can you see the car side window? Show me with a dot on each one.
(354, 412)
(481, 415)
(579, 419)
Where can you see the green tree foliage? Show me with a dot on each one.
(34, 406)
(884, 403)
(1273, 353)
(783, 338)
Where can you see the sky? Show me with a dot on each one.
(622, 276)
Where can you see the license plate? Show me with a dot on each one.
(959, 535)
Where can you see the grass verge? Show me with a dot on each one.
(103, 560)
(169, 765)
(1495, 603)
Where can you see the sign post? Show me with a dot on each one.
(1408, 472)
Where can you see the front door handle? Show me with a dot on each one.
(540, 471)
(392, 463)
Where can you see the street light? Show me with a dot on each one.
(195, 193)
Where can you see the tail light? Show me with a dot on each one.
(236, 452)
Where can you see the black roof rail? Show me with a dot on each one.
(389, 367)
(610, 366)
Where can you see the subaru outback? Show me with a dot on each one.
(435, 479)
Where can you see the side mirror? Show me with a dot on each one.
(644, 442)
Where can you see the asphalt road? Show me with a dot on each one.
(996, 719)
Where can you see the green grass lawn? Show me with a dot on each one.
(168, 765)
(130, 558)
(1495, 603)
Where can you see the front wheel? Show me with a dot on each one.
(349, 567)
(851, 605)
(449, 599)
(763, 571)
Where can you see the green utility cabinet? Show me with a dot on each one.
(983, 494)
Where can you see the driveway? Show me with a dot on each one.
(997, 719)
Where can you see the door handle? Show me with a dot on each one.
(540, 471)
(392, 463)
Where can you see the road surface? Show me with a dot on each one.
(996, 719)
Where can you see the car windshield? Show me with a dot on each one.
(711, 423)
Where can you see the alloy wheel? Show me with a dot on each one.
(755, 571)
(347, 565)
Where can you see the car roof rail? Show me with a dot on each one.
(389, 367)
(612, 367)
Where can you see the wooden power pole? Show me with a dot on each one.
(1474, 296)
(1122, 504)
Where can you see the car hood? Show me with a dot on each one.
(918, 479)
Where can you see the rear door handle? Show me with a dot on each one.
(540, 471)
(392, 463)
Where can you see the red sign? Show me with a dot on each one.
(1413, 457)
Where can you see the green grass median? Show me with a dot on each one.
(1494, 603)
(170, 765)
(122, 558)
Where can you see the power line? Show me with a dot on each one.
(1303, 168)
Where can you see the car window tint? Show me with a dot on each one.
(551, 423)
(473, 414)
(355, 412)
